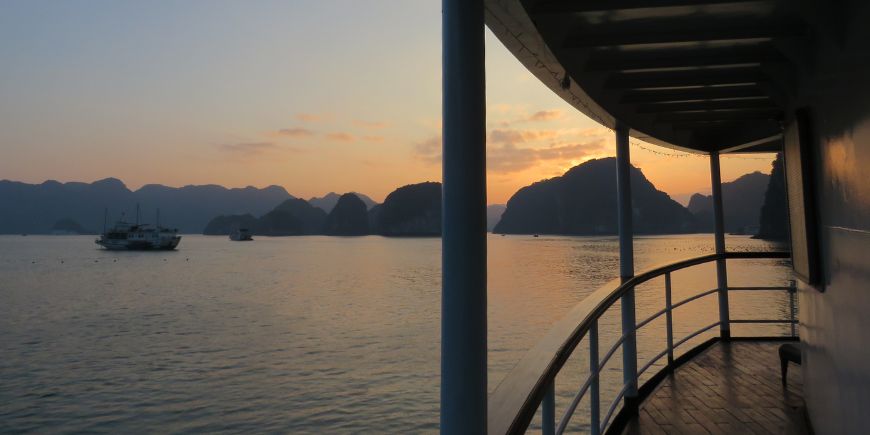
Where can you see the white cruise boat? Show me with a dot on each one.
(135, 236)
(241, 235)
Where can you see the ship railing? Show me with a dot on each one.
(530, 385)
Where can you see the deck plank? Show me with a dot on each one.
(731, 388)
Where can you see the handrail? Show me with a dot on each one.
(513, 404)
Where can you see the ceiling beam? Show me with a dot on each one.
(710, 125)
(697, 94)
(707, 106)
(576, 7)
(684, 59)
(619, 39)
(626, 81)
(733, 115)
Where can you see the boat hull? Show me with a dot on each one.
(126, 245)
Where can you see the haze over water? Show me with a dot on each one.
(305, 334)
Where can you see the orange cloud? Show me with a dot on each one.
(429, 151)
(340, 137)
(292, 132)
(373, 138)
(545, 115)
(508, 158)
(313, 118)
(512, 136)
(541, 115)
(248, 150)
(360, 123)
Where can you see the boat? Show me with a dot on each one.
(241, 235)
(646, 75)
(136, 236)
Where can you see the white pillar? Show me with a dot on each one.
(719, 234)
(626, 263)
(463, 301)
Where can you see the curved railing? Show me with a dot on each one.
(530, 383)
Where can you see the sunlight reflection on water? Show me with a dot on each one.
(302, 334)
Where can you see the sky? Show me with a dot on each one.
(315, 96)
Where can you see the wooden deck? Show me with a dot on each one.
(731, 388)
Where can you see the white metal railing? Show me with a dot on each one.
(511, 413)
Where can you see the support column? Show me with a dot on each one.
(719, 234)
(626, 264)
(463, 288)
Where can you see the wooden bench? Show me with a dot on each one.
(788, 353)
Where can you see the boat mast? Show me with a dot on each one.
(105, 217)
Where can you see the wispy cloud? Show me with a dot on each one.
(504, 156)
(340, 137)
(512, 136)
(429, 151)
(545, 115)
(313, 118)
(373, 138)
(249, 150)
(507, 158)
(360, 123)
(292, 132)
(541, 115)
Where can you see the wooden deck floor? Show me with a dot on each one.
(731, 388)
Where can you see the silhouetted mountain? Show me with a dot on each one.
(412, 210)
(774, 212)
(34, 208)
(69, 226)
(741, 203)
(583, 202)
(349, 217)
(225, 225)
(293, 217)
(329, 201)
(374, 212)
(310, 218)
(493, 215)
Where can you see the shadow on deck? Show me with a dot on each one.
(730, 388)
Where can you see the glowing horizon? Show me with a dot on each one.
(313, 97)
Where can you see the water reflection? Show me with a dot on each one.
(303, 334)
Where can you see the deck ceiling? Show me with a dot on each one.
(701, 75)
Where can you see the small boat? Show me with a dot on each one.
(536, 235)
(135, 236)
(241, 235)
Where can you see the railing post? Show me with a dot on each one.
(719, 234)
(626, 265)
(594, 370)
(548, 410)
(463, 254)
(791, 296)
(670, 317)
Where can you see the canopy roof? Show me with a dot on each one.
(696, 75)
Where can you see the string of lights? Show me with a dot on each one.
(564, 84)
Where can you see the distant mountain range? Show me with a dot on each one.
(493, 215)
(774, 212)
(331, 199)
(36, 208)
(583, 202)
(741, 203)
(413, 210)
(580, 202)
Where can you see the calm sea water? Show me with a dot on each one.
(303, 334)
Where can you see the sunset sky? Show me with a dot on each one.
(314, 96)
